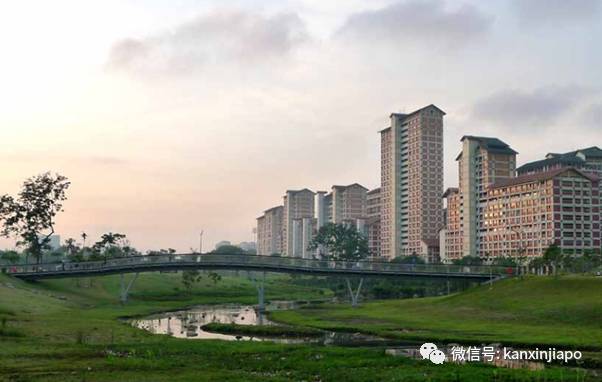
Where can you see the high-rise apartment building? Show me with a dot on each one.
(523, 216)
(482, 162)
(588, 160)
(495, 213)
(412, 183)
(289, 229)
(373, 221)
(452, 236)
(348, 203)
(269, 231)
(298, 210)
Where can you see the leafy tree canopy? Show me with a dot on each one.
(343, 242)
(468, 260)
(31, 215)
(229, 250)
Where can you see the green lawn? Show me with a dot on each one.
(58, 331)
(563, 311)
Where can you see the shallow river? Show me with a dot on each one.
(188, 324)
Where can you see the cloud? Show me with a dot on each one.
(427, 21)
(556, 12)
(519, 108)
(225, 36)
(592, 116)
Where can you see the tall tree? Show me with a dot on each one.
(71, 247)
(30, 216)
(553, 256)
(343, 242)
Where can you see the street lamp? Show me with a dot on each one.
(520, 246)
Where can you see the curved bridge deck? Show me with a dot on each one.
(154, 263)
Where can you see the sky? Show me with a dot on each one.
(170, 117)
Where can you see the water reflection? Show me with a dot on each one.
(188, 323)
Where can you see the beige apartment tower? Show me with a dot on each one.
(298, 208)
(269, 231)
(373, 207)
(348, 203)
(412, 184)
(482, 162)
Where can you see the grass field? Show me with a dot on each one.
(59, 331)
(563, 311)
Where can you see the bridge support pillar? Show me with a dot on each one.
(125, 289)
(260, 285)
(355, 295)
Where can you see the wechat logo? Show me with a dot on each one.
(429, 351)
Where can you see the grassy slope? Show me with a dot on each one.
(96, 306)
(54, 316)
(565, 311)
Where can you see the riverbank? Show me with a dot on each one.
(268, 331)
(71, 331)
(563, 312)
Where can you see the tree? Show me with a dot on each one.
(10, 257)
(413, 259)
(30, 216)
(162, 251)
(503, 261)
(468, 260)
(342, 242)
(215, 277)
(553, 256)
(71, 248)
(229, 250)
(189, 278)
(109, 239)
(111, 245)
(57, 254)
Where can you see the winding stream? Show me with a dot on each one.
(188, 324)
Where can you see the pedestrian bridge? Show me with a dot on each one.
(244, 262)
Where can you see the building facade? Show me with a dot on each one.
(269, 231)
(587, 159)
(348, 203)
(412, 183)
(298, 205)
(373, 206)
(289, 229)
(482, 162)
(453, 234)
(523, 216)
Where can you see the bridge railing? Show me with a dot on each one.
(249, 261)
